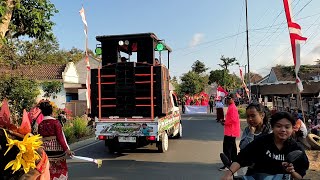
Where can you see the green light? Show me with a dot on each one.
(98, 51)
(160, 47)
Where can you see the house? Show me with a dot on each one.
(280, 82)
(72, 76)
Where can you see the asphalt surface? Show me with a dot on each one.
(194, 156)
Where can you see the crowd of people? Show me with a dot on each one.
(265, 142)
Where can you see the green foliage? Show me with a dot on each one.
(242, 112)
(20, 92)
(199, 67)
(68, 132)
(217, 76)
(31, 18)
(80, 127)
(227, 62)
(16, 52)
(51, 88)
(193, 83)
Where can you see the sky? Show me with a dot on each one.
(201, 30)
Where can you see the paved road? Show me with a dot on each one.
(194, 156)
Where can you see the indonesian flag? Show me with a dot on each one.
(295, 38)
(83, 16)
(221, 92)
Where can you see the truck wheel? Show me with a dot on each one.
(164, 143)
(113, 146)
(179, 135)
(314, 141)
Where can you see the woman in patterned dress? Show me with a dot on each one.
(54, 143)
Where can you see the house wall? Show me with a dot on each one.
(82, 94)
(272, 77)
(70, 75)
(60, 100)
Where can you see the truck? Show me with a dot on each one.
(132, 99)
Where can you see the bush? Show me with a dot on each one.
(76, 129)
(68, 132)
(242, 113)
(80, 127)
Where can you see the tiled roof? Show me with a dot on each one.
(284, 75)
(36, 72)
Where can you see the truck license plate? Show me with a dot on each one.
(127, 139)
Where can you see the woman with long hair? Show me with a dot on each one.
(258, 124)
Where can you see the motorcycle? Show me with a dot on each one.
(290, 158)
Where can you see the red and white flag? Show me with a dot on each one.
(244, 84)
(83, 16)
(221, 92)
(295, 38)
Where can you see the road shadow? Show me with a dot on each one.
(137, 170)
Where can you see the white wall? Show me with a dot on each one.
(60, 100)
(70, 74)
(82, 94)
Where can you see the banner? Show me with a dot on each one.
(196, 109)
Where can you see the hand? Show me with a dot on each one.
(288, 167)
(252, 129)
(69, 152)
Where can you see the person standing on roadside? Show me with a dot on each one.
(231, 131)
(211, 103)
(219, 110)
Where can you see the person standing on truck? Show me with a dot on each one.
(231, 131)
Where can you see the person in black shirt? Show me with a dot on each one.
(267, 153)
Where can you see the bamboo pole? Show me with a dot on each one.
(303, 115)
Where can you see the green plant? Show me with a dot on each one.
(80, 127)
(242, 113)
(68, 132)
(20, 92)
(51, 88)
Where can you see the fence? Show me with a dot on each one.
(77, 107)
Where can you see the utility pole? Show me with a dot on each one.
(248, 63)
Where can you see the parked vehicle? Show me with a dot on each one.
(131, 98)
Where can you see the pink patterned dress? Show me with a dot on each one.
(55, 145)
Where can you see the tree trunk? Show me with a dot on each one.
(6, 18)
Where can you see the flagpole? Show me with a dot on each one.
(248, 59)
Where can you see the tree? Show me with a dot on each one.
(227, 62)
(192, 83)
(51, 88)
(317, 61)
(26, 18)
(216, 76)
(199, 67)
(20, 92)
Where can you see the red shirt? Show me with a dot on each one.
(232, 122)
(52, 127)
